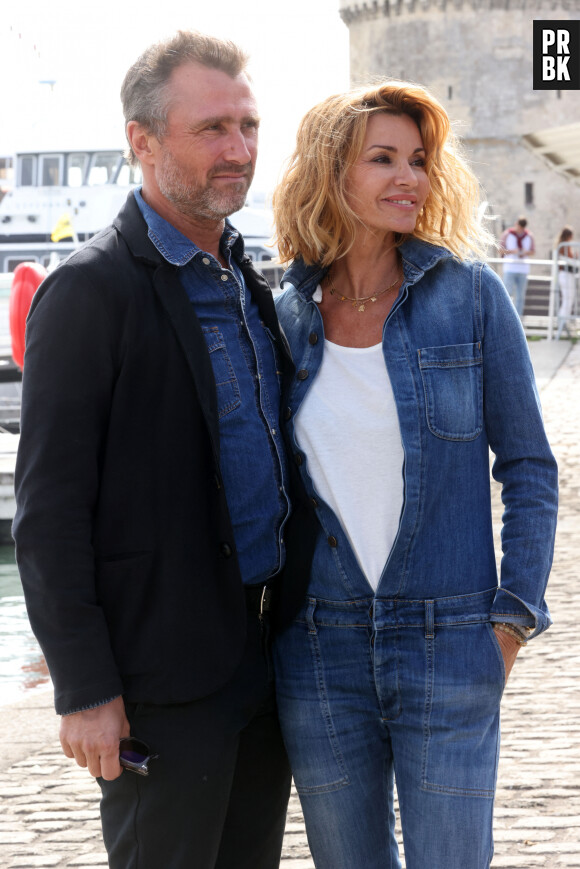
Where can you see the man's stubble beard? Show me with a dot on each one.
(199, 202)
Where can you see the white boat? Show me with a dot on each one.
(71, 195)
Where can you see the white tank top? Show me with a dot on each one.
(348, 428)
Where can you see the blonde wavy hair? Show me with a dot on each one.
(312, 215)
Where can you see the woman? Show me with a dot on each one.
(411, 363)
(566, 279)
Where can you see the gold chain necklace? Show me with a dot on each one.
(359, 302)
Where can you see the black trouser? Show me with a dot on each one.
(216, 797)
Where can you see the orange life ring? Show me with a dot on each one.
(27, 278)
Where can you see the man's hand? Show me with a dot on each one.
(92, 738)
(509, 650)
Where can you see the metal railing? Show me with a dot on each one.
(538, 293)
(542, 294)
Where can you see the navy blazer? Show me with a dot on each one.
(123, 535)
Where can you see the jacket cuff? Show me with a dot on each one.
(511, 610)
(90, 706)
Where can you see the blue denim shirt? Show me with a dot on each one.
(463, 383)
(252, 458)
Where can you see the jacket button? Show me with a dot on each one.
(288, 413)
(226, 550)
(312, 338)
(302, 374)
(314, 503)
(332, 541)
(298, 459)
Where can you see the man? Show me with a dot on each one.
(517, 244)
(152, 490)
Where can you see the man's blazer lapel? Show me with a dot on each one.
(190, 336)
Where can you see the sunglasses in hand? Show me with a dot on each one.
(135, 755)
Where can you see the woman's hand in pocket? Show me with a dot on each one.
(509, 649)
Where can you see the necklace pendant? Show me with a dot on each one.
(373, 299)
(354, 303)
(361, 307)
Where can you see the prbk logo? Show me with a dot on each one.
(556, 55)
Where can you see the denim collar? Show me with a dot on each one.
(418, 257)
(174, 246)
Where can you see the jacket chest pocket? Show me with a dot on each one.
(228, 391)
(453, 385)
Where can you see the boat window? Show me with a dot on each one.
(129, 175)
(51, 166)
(11, 262)
(103, 168)
(76, 169)
(27, 171)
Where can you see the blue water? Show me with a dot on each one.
(22, 666)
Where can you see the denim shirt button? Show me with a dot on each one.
(224, 277)
(302, 374)
(333, 542)
(312, 338)
(205, 261)
(226, 550)
(298, 459)
(314, 503)
(288, 413)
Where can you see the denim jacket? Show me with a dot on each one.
(463, 383)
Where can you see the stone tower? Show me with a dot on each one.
(476, 57)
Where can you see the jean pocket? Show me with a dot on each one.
(465, 681)
(305, 712)
(453, 387)
(227, 388)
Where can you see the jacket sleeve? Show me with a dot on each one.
(68, 380)
(523, 464)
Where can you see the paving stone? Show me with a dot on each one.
(16, 837)
(45, 860)
(73, 835)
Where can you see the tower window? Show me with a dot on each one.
(529, 193)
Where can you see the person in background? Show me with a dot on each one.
(517, 245)
(412, 363)
(153, 493)
(567, 277)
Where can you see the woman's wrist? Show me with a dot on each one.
(512, 631)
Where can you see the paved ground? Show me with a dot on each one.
(49, 807)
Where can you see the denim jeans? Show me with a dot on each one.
(374, 689)
(515, 283)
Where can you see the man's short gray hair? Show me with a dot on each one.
(144, 88)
